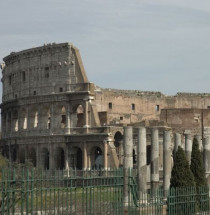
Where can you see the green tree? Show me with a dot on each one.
(182, 186)
(196, 166)
(198, 171)
(181, 175)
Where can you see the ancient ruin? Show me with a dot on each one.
(53, 116)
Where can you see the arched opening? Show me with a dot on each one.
(14, 155)
(48, 119)
(80, 116)
(15, 120)
(36, 119)
(60, 158)
(77, 116)
(76, 158)
(63, 117)
(134, 157)
(32, 156)
(118, 139)
(97, 158)
(45, 158)
(9, 121)
(22, 156)
(24, 118)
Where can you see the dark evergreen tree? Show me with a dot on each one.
(181, 175)
(182, 185)
(196, 166)
(198, 171)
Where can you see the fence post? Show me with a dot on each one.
(128, 164)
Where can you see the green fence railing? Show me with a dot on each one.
(61, 192)
(94, 192)
(187, 201)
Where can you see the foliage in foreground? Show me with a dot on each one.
(196, 166)
(181, 175)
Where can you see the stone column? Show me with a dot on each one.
(67, 157)
(39, 126)
(68, 118)
(105, 155)
(155, 159)
(142, 159)
(188, 147)
(177, 141)
(52, 119)
(207, 157)
(85, 160)
(51, 157)
(166, 161)
(28, 119)
(86, 114)
(128, 160)
(199, 139)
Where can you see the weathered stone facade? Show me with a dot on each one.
(52, 114)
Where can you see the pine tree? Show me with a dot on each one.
(181, 175)
(196, 166)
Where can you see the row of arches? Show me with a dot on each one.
(61, 160)
(43, 117)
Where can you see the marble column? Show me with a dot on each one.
(200, 144)
(128, 159)
(207, 157)
(155, 159)
(68, 119)
(166, 161)
(85, 157)
(188, 147)
(105, 155)
(142, 159)
(86, 122)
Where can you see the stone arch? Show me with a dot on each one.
(9, 121)
(33, 117)
(32, 156)
(97, 160)
(63, 117)
(45, 158)
(14, 154)
(77, 116)
(118, 143)
(46, 117)
(59, 158)
(15, 120)
(24, 118)
(22, 157)
(76, 158)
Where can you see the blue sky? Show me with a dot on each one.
(155, 45)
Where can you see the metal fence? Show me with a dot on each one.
(61, 192)
(187, 201)
(24, 191)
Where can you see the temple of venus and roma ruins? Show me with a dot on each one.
(53, 116)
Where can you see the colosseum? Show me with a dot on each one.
(53, 116)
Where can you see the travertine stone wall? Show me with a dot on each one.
(52, 68)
